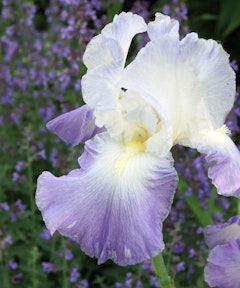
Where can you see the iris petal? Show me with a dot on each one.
(223, 265)
(100, 86)
(211, 78)
(219, 234)
(181, 74)
(162, 25)
(114, 41)
(223, 161)
(75, 126)
(115, 204)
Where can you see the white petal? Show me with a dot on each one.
(100, 86)
(181, 75)
(210, 77)
(162, 25)
(153, 73)
(124, 27)
(101, 92)
(114, 41)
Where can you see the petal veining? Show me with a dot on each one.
(115, 204)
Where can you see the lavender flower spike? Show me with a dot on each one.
(174, 91)
(223, 265)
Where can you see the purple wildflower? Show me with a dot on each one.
(17, 209)
(45, 234)
(48, 267)
(12, 264)
(4, 206)
(74, 274)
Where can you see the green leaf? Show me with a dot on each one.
(113, 8)
(229, 18)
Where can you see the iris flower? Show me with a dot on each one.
(223, 265)
(174, 92)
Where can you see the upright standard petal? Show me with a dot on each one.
(210, 77)
(223, 265)
(114, 41)
(100, 85)
(75, 126)
(154, 72)
(219, 234)
(182, 74)
(115, 204)
(162, 25)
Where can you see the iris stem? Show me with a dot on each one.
(161, 272)
(238, 207)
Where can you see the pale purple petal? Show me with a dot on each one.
(75, 126)
(114, 205)
(219, 234)
(222, 160)
(223, 265)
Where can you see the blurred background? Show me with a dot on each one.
(41, 48)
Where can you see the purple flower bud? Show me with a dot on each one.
(12, 264)
(74, 274)
(48, 267)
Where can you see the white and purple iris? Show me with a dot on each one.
(174, 92)
(223, 265)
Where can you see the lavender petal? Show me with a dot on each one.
(222, 269)
(114, 205)
(76, 126)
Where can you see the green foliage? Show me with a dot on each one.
(229, 19)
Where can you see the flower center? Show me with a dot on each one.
(131, 149)
(135, 133)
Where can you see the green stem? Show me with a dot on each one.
(238, 207)
(161, 272)
(5, 274)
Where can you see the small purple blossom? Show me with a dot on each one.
(180, 266)
(4, 206)
(74, 274)
(45, 234)
(17, 209)
(48, 267)
(12, 264)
